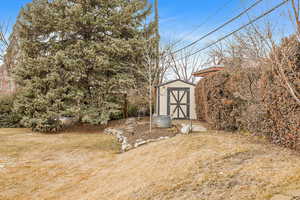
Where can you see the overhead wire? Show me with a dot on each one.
(207, 19)
(237, 30)
(219, 27)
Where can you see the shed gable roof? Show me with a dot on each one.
(169, 82)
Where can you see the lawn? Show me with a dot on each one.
(32, 164)
(84, 165)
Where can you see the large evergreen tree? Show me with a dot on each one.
(75, 55)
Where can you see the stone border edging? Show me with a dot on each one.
(125, 146)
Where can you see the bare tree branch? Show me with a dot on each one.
(286, 54)
(4, 42)
(251, 47)
(295, 6)
(183, 66)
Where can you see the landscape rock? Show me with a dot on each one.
(140, 142)
(119, 134)
(123, 134)
(112, 131)
(163, 138)
(198, 128)
(125, 145)
(137, 144)
(186, 128)
(67, 121)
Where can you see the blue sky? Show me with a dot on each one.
(9, 9)
(179, 17)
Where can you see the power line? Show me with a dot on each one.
(220, 27)
(233, 32)
(204, 22)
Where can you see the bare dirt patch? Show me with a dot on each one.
(141, 131)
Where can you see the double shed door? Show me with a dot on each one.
(179, 103)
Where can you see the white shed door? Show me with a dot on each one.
(179, 103)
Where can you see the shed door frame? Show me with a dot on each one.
(175, 92)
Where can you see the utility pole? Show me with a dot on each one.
(157, 33)
(154, 82)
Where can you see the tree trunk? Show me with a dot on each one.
(150, 97)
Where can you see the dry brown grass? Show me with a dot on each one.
(210, 166)
(33, 163)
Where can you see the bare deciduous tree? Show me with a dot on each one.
(182, 65)
(151, 73)
(250, 46)
(295, 16)
(164, 64)
(217, 54)
(4, 42)
(287, 53)
(253, 46)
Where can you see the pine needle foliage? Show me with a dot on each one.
(8, 118)
(75, 56)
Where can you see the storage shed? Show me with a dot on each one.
(177, 99)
